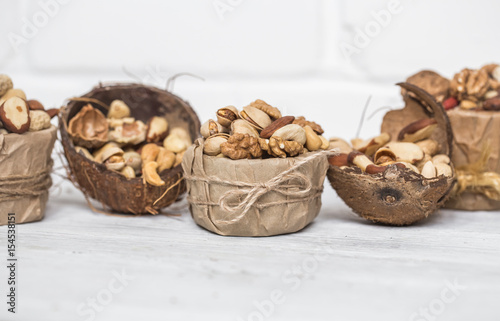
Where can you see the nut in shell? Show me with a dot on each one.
(292, 132)
(14, 114)
(211, 127)
(133, 159)
(88, 128)
(255, 117)
(118, 109)
(213, 143)
(240, 126)
(98, 153)
(110, 152)
(39, 120)
(226, 115)
(115, 163)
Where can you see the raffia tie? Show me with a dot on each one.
(302, 189)
(36, 184)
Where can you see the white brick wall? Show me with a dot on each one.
(286, 51)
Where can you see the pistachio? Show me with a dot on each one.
(98, 153)
(226, 115)
(110, 152)
(115, 163)
(212, 144)
(128, 172)
(133, 159)
(255, 117)
(240, 126)
(313, 142)
(211, 127)
(292, 132)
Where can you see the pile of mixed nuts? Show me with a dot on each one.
(414, 149)
(127, 145)
(260, 131)
(19, 115)
(470, 89)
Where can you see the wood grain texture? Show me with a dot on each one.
(341, 267)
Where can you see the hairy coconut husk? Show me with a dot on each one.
(399, 196)
(113, 190)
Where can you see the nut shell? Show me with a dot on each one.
(88, 128)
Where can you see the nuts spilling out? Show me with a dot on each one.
(469, 89)
(126, 145)
(19, 115)
(260, 131)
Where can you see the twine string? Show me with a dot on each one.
(19, 186)
(300, 189)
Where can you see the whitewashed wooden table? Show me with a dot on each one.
(80, 265)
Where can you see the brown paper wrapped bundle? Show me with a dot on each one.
(26, 165)
(112, 189)
(254, 197)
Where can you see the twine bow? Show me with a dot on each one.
(300, 189)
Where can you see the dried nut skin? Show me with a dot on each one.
(85, 152)
(212, 145)
(342, 145)
(255, 117)
(292, 132)
(211, 127)
(149, 153)
(151, 175)
(429, 146)
(275, 125)
(118, 109)
(133, 159)
(443, 169)
(98, 153)
(273, 112)
(429, 170)
(134, 133)
(165, 159)
(14, 114)
(339, 160)
(5, 84)
(157, 129)
(241, 146)
(441, 158)
(313, 142)
(176, 144)
(39, 120)
(88, 128)
(115, 163)
(128, 172)
(240, 126)
(303, 122)
(226, 115)
(418, 130)
(35, 105)
(110, 152)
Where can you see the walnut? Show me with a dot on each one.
(430, 81)
(278, 147)
(470, 84)
(490, 69)
(240, 146)
(303, 122)
(273, 112)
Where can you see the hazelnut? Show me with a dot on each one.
(39, 120)
(118, 109)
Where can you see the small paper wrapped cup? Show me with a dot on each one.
(26, 165)
(474, 131)
(238, 198)
(113, 190)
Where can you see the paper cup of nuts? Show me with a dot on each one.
(403, 175)
(124, 144)
(472, 101)
(255, 172)
(26, 142)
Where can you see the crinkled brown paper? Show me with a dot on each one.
(265, 221)
(472, 130)
(24, 155)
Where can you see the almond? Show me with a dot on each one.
(35, 105)
(275, 125)
(492, 104)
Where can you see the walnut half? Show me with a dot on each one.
(241, 146)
